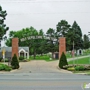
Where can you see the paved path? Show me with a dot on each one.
(39, 66)
(75, 58)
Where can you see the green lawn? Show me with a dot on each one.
(80, 61)
(87, 72)
(44, 57)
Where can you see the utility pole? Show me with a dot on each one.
(73, 52)
(0, 44)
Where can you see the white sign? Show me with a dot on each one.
(38, 37)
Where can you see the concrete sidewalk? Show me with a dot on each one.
(79, 57)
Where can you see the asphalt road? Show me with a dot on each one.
(43, 81)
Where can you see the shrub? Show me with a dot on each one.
(79, 68)
(71, 69)
(5, 60)
(69, 66)
(25, 60)
(1, 59)
(87, 67)
(63, 61)
(1, 67)
(15, 62)
(21, 58)
(5, 67)
(65, 67)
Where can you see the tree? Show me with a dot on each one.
(3, 28)
(15, 62)
(86, 43)
(89, 38)
(41, 32)
(74, 35)
(77, 36)
(62, 28)
(35, 45)
(50, 43)
(41, 43)
(63, 61)
(8, 42)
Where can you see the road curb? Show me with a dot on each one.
(63, 71)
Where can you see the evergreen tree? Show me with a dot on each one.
(77, 36)
(3, 27)
(74, 35)
(86, 43)
(63, 61)
(15, 62)
(62, 28)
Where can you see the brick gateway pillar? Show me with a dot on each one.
(62, 45)
(15, 47)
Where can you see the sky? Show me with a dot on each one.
(45, 14)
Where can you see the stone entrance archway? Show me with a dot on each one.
(39, 66)
(62, 46)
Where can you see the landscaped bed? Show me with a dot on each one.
(81, 65)
(4, 67)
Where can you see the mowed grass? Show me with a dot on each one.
(80, 61)
(44, 57)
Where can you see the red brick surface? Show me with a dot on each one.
(62, 45)
(15, 46)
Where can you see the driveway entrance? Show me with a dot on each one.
(38, 66)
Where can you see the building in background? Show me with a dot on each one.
(6, 52)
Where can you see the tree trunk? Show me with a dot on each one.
(34, 53)
(41, 54)
(52, 55)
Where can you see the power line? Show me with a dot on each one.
(51, 13)
(34, 1)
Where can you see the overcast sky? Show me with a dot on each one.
(44, 14)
